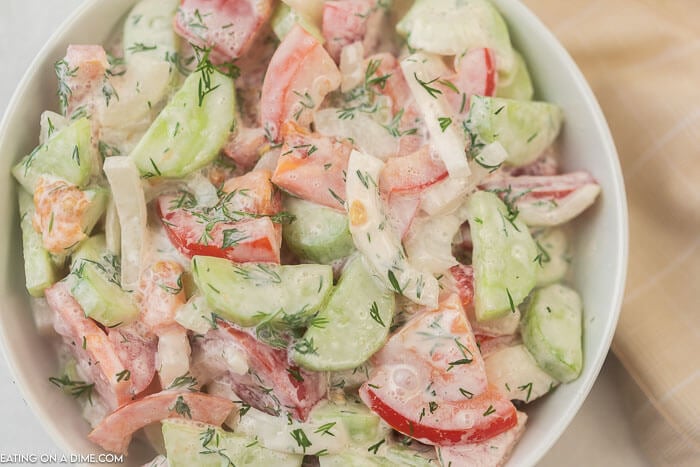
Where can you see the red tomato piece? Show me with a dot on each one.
(238, 227)
(114, 432)
(413, 172)
(536, 189)
(83, 72)
(60, 207)
(451, 423)
(313, 166)
(136, 348)
(494, 451)
(94, 353)
(401, 209)
(228, 27)
(271, 384)
(161, 294)
(429, 382)
(464, 281)
(300, 75)
(475, 75)
(244, 148)
(345, 22)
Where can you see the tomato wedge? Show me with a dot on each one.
(494, 451)
(313, 166)
(136, 348)
(229, 27)
(345, 22)
(412, 172)
(429, 382)
(94, 352)
(464, 282)
(239, 227)
(161, 294)
(271, 384)
(451, 423)
(60, 207)
(300, 75)
(83, 71)
(115, 431)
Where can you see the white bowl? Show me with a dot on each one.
(601, 233)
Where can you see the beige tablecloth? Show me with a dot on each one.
(642, 59)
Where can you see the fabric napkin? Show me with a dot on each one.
(642, 59)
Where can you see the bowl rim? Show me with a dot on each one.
(620, 205)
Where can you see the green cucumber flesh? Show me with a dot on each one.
(96, 288)
(148, 31)
(518, 84)
(355, 322)
(503, 257)
(250, 293)
(552, 331)
(330, 428)
(318, 234)
(68, 154)
(524, 128)
(191, 129)
(40, 272)
(196, 444)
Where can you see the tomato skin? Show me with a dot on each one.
(501, 417)
(475, 74)
(114, 431)
(537, 188)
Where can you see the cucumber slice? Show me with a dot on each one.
(96, 285)
(553, 256)
(517, 84)
(351, 459)
(68, 154)
(524, 128)
(189, 443)
(503, 257)
(248, 294)
(284, 18)
(451, 27)
(552, 331)
(196, 315)
(40, 273)
(318, 234)
(330, 428)
(148, 31)
(189, 132)
(514, 371)
(356, 322)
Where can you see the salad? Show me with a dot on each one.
(322, 232)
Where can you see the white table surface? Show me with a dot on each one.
(599, 435)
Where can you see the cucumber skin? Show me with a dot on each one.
(500, 275)
(554, 312)
(67, 155)
(350, 326)
(186, 136)
(318, 234)
(184, 446)
(296, 290)
(40, 272)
